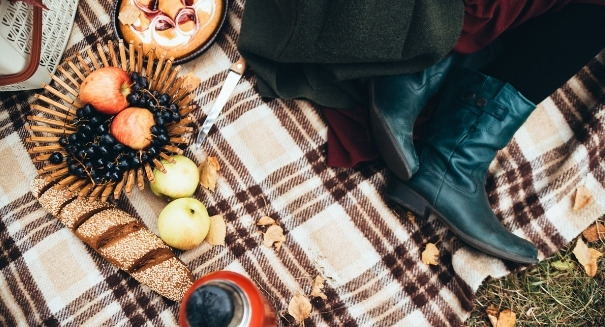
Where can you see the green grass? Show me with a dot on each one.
(546, 296)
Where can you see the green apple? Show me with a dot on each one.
(184, 223)
(180, 179)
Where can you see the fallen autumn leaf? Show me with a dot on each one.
(582, 198)
(430, 254)
(299, 307)
(587, 257)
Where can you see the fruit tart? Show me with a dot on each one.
(180, 28)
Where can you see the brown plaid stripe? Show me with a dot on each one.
(336, 223)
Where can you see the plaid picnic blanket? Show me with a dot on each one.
(336, 222)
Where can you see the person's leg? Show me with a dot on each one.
(479, 113)
(543, 53)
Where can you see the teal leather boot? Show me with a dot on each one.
(477, 116)
(395, 102)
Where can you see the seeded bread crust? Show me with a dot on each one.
(120, 238)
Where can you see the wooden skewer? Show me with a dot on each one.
(131, 54)
(64, 85)
(159, 166)
(175, 86)
(85, 190)
(186, 100)
(92, 58)
(65, 182)
(140, 179)
(45, 148)
(130, 182)
(112, 53)
(178, 140)
(107, 191)
(123, 55)
(73, 187)
(76, 70)
(149, 173)
(140, 58)
(187, 109)
(96, 192)
(53, 112)
(49, 121)
(173, 149)
(118, 189)
(101, 53)
(41, 157)
(171, 79)
(52, 167)
(57, 93)
(167, 157)
(180, 93)
(184, 121)
(49, 139)
(150, 61)
(83, 63)
(69, 77)
(159, 67)
(164, 73)
(60, 172)
(52, 102)
(46, 129)
(180, 130)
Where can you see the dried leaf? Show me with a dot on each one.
(430, 254)
(317, 288)
(274, 234)
(218, 231)
(36, 3)
(582, 198)
(492, 314)
(191, 81)
(299, 307)
(265, 220)
(506, 318)
(411, 217)
(563, 265)
(594, 233)
(587, 257)
(209, 173)
(129, 14)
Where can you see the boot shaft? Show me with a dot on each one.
(477, 116)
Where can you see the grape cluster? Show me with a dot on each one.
(94, 153)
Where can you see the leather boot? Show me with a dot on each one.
(395, 102)
(476, 117)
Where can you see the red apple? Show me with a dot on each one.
(132, 127)
(106, 90)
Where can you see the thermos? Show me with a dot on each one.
(225, 299)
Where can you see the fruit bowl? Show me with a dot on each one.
(91, 152)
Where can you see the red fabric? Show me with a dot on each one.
(349, 134)
(484, 20)
(349, 137)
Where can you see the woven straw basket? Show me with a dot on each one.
(55, 109)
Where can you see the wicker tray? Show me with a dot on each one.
(54, 111)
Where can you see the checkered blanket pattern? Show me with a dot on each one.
(337, 224)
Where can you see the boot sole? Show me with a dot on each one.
(387, 144)
(421, 207)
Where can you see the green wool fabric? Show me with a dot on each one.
(324, 50)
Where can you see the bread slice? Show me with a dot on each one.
(120, 238)
(169, 278)
(78, 211)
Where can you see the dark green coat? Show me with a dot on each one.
(323, 50)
